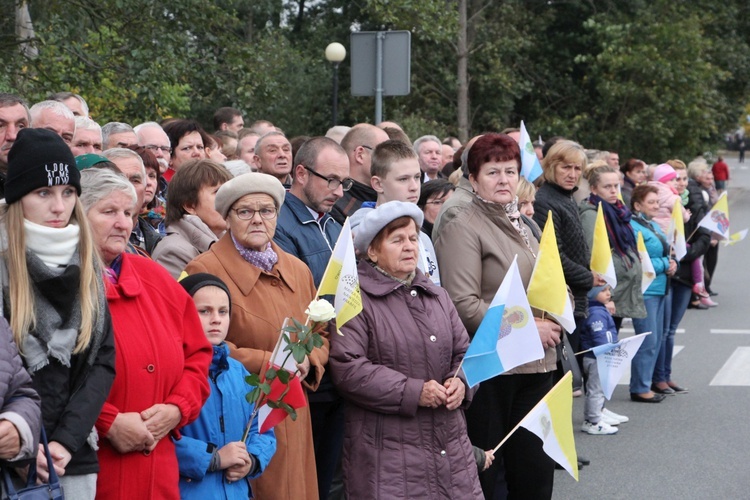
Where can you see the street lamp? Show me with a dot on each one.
(335, 53)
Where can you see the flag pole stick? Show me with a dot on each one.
(582, 352)
(518, 425)
(459, 368)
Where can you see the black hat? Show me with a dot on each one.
(195, 282)
(39, 158)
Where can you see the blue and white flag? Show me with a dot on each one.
(530, 166)
(613, 359)
(507, 336)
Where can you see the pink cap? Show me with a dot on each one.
(664, 173)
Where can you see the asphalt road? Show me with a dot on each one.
(696, 445)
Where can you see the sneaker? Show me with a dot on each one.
(608, 416)
(600, 429)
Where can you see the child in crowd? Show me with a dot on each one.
(599, 330)
(210, 454)
(396, 176)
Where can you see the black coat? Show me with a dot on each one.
(571, 241)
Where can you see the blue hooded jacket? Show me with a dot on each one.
(222, 420)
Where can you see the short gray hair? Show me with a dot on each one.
(85, 123)
(263, 137)
(64, 96)
(143, 125)
(425, 138)
(696, 168)
(237, 167)
(114, 128)
(100, 183)
(56, 107)
(113, 154)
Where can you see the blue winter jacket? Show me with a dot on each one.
(222, 420)
(658, 250)
(600, 328)
(299, 233)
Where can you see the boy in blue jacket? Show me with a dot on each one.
(213, 462)
(600, 329)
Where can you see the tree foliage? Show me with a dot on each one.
(652, 79)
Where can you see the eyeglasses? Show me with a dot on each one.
(163, 149)
(333, 184)
(267, 213)
(366, 147)
(436, 202)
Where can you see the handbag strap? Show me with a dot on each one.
(54, 480)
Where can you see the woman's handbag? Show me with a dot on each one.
(48, 491)
(568, 362)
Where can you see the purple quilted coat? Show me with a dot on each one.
(394, 448)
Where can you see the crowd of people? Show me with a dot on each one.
(147, 270)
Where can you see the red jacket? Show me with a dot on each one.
(162, 357)
(720, 171)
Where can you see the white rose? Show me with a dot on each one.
(320, 311)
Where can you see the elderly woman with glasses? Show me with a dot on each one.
(267, 285)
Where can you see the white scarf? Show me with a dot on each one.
(54, 246)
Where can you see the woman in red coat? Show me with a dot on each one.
(162, 355)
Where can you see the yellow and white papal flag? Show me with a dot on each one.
(341, 279)
(601, 252)
(648, 272)
(676, 235)
(550, 421)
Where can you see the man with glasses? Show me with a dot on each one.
(152, 137)
(358, 143)
(306, 230)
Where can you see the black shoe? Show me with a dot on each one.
(668, 391)
(711, 293)
(583, 461)
(697, 305)
(677, 389)
(658, 398)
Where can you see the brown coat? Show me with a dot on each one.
(477, 247)
(260, 302)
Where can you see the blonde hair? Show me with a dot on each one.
(677, 164)
(563, 152)
(525, 190)
(22, 306)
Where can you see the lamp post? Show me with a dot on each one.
(335, 53)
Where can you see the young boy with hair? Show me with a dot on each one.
(211, 456)
(396, 176)
(600, 329)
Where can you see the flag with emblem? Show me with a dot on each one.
(507, 336)
(550, 421)
(613, 359)
(717, 220)
(341, 279)
(531, 169)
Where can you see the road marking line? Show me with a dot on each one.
(736, 370)
(679, 330)
(729, 331)
(625, 380)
